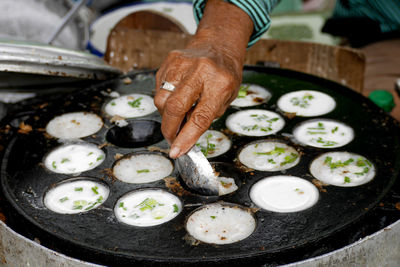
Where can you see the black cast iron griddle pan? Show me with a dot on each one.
(97, 235)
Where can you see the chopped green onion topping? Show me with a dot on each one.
(347, 179)
(113, 104)
(54, 165)
(309, 132)
(78, 204)
(78, 189)
(213, 217)
(90, 153)
(136, 103)
(92, 204)
(302, 102)
(121, 205)
(134, 216)
(63, 199)
(94, 189)
(148, 204)
(143, 171)
(290, 159)
(277, 150)
(335, 129)
(64, 160)
(271, 161)
(176, 208)
(209, 149)
(100, 158)
(243, 91)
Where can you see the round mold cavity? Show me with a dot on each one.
(284, 193)
(269, 155)
(213, 143)
(251, 95)
(255, 122)
(228, 176)
(74, 158)
(76, 195)
(323, 133)
(130, 106)
(142, 168)
(342, 169)
(147, 207)
(306, 103)
(138, 133)
(74, 125)
(221, 223)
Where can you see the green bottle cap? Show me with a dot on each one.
(382, 99)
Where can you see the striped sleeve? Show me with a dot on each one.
(258, 10)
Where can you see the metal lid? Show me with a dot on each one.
(32, 58)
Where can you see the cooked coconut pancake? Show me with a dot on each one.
(251, 95)
(324, 133)
(147, 207)
(130, 106)
(269, 156)
(74, 158)
(74, 125)
(306, 103)
(142, 168)
(342, 169)
(255, 122)
(284, 194)
(220, 224)
(213, 143)
(76, 196)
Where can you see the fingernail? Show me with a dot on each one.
(174, 153)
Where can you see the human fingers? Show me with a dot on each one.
(199, 121)
(178, 105)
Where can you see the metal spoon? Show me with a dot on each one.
(197, 173)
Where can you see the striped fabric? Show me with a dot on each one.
(385, 12)
(258, 10)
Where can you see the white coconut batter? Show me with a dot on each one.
(213, 143)
(324, 133)
(269, 156)
(251, 95)
(284, 194)
(306, 103)
(142, 168)
(74, 125)
(255, 122)
(220, 224)
(131, 106)
(342, 169)
(147, 207)
(76, 196)
(74, 158)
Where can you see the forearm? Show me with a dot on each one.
(224, 28)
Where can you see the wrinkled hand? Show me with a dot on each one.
(207, 74)
(206, 78)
